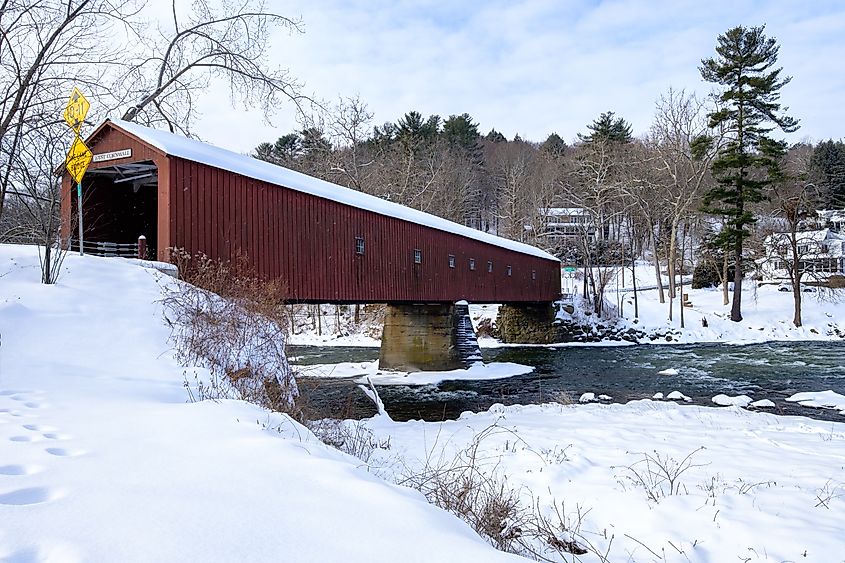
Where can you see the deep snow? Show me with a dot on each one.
(102, 459)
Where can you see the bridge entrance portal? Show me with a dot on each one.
(119, 204)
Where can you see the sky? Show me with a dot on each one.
(534, 67)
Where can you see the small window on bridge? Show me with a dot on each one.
(489, 267)
(510, 271)
(417, 256)
(472, 263)
(533, 274)
(359, 245)
(451, 260)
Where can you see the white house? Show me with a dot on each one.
(821, 253)
(567, 223)
(832, 219)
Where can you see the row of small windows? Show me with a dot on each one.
(359, 249)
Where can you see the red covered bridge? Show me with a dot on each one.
(328, 243)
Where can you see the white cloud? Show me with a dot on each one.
(538, 66)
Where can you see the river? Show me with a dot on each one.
(772, 371)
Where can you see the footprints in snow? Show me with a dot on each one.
(20, 469)
(30, 495)
(66, 452)
(24, 407)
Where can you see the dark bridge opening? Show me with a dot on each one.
(119, 204)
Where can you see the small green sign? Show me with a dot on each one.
(569, 269)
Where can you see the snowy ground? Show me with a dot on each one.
(101, 459)
(754, 487)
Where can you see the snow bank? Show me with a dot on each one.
(727, 401)
(757, 487)
(368, 371)
(820, 400)
(102, 459)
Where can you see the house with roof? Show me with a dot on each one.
(821, 254)
(562, 224)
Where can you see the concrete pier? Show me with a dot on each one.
(427, 337)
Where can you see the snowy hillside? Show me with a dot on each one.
(102, 459)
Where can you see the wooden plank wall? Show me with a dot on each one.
(309, 242)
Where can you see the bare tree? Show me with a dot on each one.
(793, 198)
(683, 147)
(349, 125)
(46, 47)
(37, 190)
(228, 41)
(596, 184)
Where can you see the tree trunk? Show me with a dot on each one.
(736, 305)
(671, 258)
(660, 293)
(45, 270)
(725, 297)
(681, 281)
(795, 274)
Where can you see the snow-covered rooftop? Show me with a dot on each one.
(190, 149)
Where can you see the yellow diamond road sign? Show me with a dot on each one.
(76, 110)
(78, 158)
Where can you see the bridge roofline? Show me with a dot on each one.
(190, 149)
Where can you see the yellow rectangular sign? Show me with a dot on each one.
(76, 110)
(78, 158)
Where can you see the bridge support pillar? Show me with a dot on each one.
(427, 338)
(527, 323)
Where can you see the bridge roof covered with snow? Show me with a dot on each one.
(328, 243)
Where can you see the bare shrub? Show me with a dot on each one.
(828, 493)
(660, 475)
(469, 488)
(233, 323)
(350, 437)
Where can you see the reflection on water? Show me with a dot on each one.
(763, 371)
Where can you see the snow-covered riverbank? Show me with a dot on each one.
(767, 316)
(103, 459)
(653, 481)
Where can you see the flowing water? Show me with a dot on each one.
(772, 371)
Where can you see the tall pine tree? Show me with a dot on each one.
(748, 112)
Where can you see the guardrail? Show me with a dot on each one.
(107, 249)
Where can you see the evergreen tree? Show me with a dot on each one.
(748, 111)
(287, 147)
(829, 162)
(283, 152)
(553, 146)
(608, 128)
(495, 137)
(460, 131)
(412, 130)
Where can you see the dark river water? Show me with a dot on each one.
(763, 371)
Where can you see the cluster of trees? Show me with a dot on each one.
(700, 178)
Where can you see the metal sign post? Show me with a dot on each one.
(79, 156)
(77, 161)
(79, 208)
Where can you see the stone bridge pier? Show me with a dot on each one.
(428, 337)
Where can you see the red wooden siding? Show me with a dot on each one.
(309, 241)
